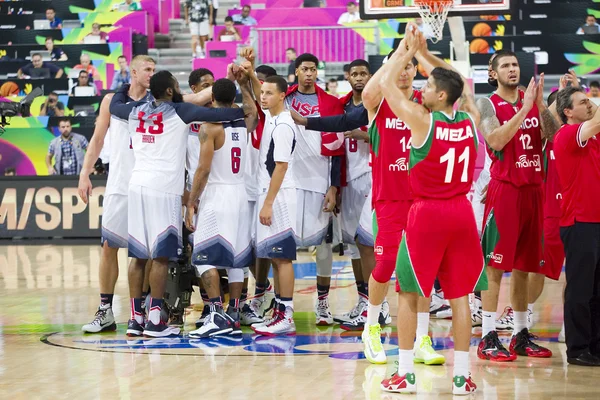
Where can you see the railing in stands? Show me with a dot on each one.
(328, 43)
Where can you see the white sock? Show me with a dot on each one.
(461, 363)
(422, 324)
(530, 307)
(520, 318)
(488, 323)
(405, 362)
(373, 314)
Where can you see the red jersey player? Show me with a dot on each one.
(390, 143)
(513, 123)
(441, 167)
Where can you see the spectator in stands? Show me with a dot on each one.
(244, 18)
(36, 64)
(10, 171)
(128, 5)
(84, 81)
(56, 53)
(230, 32)
(123, 76)
(346, 70)
(55, 22)
(52, 107)
(86, 65)
(67, 151)
(215, 10)
(331, 87)
(351, 14)
(594, 89)
(590, 27)
(291, 55)
(198, 15)
(97, 32)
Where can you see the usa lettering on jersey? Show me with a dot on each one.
(304, 109)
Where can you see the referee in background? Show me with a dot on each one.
(577, 152)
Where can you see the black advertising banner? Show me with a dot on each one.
(37, 6)
(73, 51)
(29, 36)
(49, 206)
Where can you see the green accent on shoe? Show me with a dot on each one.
(410, 378)
(459, 381)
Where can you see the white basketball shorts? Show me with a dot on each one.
(311, 221)
(114, 221)
(364, 232)
(354, 196)
(154, 223)
(279, 239)
(199, 28)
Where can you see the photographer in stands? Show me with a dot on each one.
(37, 64)
(52, 107)
(67, 150)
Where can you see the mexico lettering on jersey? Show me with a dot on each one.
(311, 168)
(552, 190)
(443, 167)
(520, 161)
(390, 149)
(357, 151)
(229, 162)
(121, 154)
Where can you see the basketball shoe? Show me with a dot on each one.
(439, 306)
(371, 337)
(160, 330)
(522, 345)
(215, 324)
(425, 354)
(476, 311)
(205, 313)
(384, 316)
(490, 348)
(233, 315)
(506, 321)
(322, 312)
(104, 320)
(358, 323)
(134, 328)
(352, 314)
(463, 385)
(400, 384)
(248, 316)
(281, 324)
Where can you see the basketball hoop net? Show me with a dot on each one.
(434, 14)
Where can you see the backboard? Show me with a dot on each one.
(382, 9)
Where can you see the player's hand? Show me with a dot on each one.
(330, 200)
(530, 95)
(266, 215)
(190, 210)
(357, 134)
(242, 76)
(484, 194)
(230, 72)
(539, 98)
(563, 82)
(413, 37)
(571, 77)
(85, 187)
(298, 119)
(248, 54)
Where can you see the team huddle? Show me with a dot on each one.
(386, 168)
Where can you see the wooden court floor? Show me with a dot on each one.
(47, 293)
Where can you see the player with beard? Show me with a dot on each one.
(513, 124)
(159, 131)
(317, 182)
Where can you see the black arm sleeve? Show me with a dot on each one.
(336, 171)
(340, 123)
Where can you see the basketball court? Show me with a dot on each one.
(47, 292)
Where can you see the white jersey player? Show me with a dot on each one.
(222, 229)
(159, 131)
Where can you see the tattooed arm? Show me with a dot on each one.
(549, 124)
(208, 133)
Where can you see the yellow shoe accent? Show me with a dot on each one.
(425, 354)
(374, 351)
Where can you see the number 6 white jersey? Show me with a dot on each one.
(159, 137)
(228, 164)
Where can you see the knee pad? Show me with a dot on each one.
(324, 260)
(201, 269)
(246, 272)
(353, 252)
(235, 275)
(383, 271)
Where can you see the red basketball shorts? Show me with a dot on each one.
(554, 251)
(389, 222)
(441, 240)
(512, 231)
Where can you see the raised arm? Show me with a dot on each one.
(94, 148)
(202, 98)
(336, 123)
(248, 103)
(208, 133)
(549, 124)
(415, 115)
(119, 106)
(591, 128)
(190, 113)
